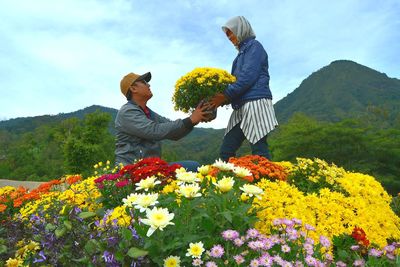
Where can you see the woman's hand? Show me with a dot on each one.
(217, 100)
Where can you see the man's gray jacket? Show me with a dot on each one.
(139, 136)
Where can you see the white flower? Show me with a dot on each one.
(252, 190)
(190, 190)
(195, 250)
(130, 200)
(223, 166)
(187, 177)
(204, 169)
(147, 183)
(143, 201)
(242, 172)
(180, 170)
(157, 218)
(225, 184)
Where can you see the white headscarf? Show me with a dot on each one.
(240, 27)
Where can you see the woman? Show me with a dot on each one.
(253, 115)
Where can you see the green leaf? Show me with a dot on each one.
(3, 249)
(50, 227)
(227, 215)
(60, 231)
(136, 252)
(68, 225)
(126, 234)
(86, 214)
(92, 246)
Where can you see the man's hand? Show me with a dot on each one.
(200, 113)
(217, 100)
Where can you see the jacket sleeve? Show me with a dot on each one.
(249, 73)
(134, 122)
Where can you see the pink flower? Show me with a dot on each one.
(324, 241)
(285, 248)
(375, 252)
(238, 242)
(230, 234)
(238, 259)
(217, 251)
(252, 233)
(359, 262)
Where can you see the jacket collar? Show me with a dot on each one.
(244, 43)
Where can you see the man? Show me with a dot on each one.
(140, 130)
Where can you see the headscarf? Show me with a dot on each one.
(240, 27)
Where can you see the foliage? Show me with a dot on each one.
(199, 84)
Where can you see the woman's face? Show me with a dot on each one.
(232, 37)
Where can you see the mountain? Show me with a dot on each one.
(27, 124)
(340, 90)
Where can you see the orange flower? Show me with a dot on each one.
(359, 235)
(73, 179)
(260, 167)
(2, 207)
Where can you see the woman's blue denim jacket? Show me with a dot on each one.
(250, 68)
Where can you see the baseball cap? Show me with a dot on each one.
(130, 78)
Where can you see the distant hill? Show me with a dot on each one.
(27, 124)
(341, 90)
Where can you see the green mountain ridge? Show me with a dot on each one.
(341, 90)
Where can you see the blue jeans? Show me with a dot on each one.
(234, 139)
(189, 165)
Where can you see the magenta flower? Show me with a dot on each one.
(122, 183)
(230, 234)
(239, 259)
(252, 233)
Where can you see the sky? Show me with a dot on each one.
(65, 55)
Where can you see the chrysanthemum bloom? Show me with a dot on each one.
(252, 233)
(190, 190)
(157, 218)
(217, 251)
(143, 201)
(130, 200)
(242, 172)
(375, 252)
(285, 248)
(147, 183)
(204, 169)
(309, 227)
(230, 234)
(252, 190)
(254, 263)
(225, 184)
(197, 262)
(359, 262)
(195, 250)
(239, 259)
(172, 261)
(324, 241)
(187, 177)
(211, 264)
(223, 166)
(238, 242)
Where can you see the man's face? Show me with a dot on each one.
(142, 89)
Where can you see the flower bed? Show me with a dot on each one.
(247, 212)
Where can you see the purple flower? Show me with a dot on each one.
(359, 262)
(211, 264)
(297, 221)
(389, 248)
(42, 257)
(324, 241)
(355, 247)
(217, 251)
(252, 233)
(277, 222)
(108, 257)
(197, 262)
(340, 264)
(299, 264)
(230, 234)
(238, 242)
(390, 256)
(256, 245)
(239, 259)
(375, 252)
(309, 227)
(288, 222)
(310, 260)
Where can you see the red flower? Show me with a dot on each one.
(359, 235)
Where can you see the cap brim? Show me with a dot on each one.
(146, 77)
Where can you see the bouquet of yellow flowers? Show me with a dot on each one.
(199, 85)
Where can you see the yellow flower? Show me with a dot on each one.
(225, 184)
(172, 261)
(252, 190)
(204, 169)
(14, 262)
(195, 250)
(147, 183)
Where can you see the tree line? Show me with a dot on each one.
(365, 144)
